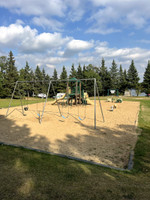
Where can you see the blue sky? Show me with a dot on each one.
(53, 33)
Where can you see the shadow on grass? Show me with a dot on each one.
(29, 175)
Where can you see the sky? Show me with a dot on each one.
(56, 33)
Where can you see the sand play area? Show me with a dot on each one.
(110, 144)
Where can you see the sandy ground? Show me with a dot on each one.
(109, 144)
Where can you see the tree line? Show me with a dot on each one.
(114, 77)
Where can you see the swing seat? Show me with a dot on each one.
(26, 108)
(81, 118)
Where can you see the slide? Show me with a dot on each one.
(56, 100)
(89, 101)
(86, 97)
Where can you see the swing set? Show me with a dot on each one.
(75, 92)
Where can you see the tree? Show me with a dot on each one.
(132, 76)
(55, 84)
(105, 77)
(73, 72)
(79, 72)
(114, 75)
(38, 77)
(11, 75)
(3, 66)
(146, 79)
(55, 75)
(91, 72)
(122, 80)
(63, 76)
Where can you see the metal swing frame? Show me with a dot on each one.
(96, 91)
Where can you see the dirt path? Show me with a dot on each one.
(109, 144)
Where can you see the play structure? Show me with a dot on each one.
(74, 95)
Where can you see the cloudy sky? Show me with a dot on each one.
(53, 33)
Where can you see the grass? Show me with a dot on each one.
(26, 174)
(4, 103)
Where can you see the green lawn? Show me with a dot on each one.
(28, 175)
(4, 103)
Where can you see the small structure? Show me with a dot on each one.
(112, 92)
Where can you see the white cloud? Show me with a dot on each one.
(44, 22)
(73, 10)
(110, 14)
(107, 16)
(28, 40)
(38, 7)
(75, 46)
(79, 45)
(12, 35)
(50, 66)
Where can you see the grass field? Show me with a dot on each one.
(30, 175)
(4, 103)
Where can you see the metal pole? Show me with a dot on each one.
(21, 101)
(94, 103)
(100, 103)
(45, 102)
(11, 98)
(76, 91)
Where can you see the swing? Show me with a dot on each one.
(57, 103)
(81, 119)
(83, 102)
(67, 91)
(26, 108)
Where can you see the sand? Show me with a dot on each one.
(110, 144)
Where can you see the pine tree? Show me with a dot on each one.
(11, 75)
(73, 72)
(146, 79)
(105, 77)
(3, 66)
(55, 75)
(27, 72)
(79, 72)
(55, 84)
(114, 75)
(132, 76)
(38, 77)
(122, 80)
(63, 76)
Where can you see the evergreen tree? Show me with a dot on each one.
(73, 72)
(39, 78)
(27, 72)
(43, 74)
(122, 80)
(105, 77)
(3, 66)
(146, 79)
(11, 75)
(63, 76)
(55, 75)
(79, 72)
(114, 75)
(55, 84)
(132, 76)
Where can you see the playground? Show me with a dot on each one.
(109, 144)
